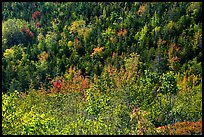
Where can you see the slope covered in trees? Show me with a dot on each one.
(101, 67)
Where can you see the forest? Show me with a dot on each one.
(102, 68)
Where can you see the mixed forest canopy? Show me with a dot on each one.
(118, 54)
(41, 40)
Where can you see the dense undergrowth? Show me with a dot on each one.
(132, 68)
(135, 106)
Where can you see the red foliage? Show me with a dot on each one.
(36, 14)
(58, 85)
(28, 32)
(38, 25)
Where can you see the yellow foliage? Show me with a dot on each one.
(161, 42)
(197, 37)
(63, 35)
(9, 53)
(187, 82)
(40, 37)
(77, 27)
(141, 9)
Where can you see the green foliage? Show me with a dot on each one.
(16, 60)
(108, 32)
(73, 30)
(41, 113)
(141, 124)
(168, 83)
(140, 36)
(96, 102)
(191, 99)
(101, 68)
(12, 32)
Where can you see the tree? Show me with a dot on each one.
(16, 31)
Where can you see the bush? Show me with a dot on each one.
(21, 116)
(96, 101)
(168, 83)
(15, 31)
(38, 112)
(193, 100)
(141, 124)
(182, 128)
(16, 61)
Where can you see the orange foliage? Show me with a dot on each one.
(182, 128)
(188, 81)
(72, 81)
(113, 55)
(173, 59)
(123, 75)
(43, 56)
(23, 95)
(76, 40)
(41, 90)
(97, 50)
(76, 83)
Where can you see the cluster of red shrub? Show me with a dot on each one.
(58, 85)
(28, 32)
(38, 25)
(78, 83)
(36, 14)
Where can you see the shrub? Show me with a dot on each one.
(16, 71)
(96, 101)
(168, 83)
(192, 99)
(21, 115)
(182, 128)
(15, 31)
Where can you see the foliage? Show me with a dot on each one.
(72, 33)
(16, 31)
(168, 83)
(101, 68)
(143, 126)
(96, 102)
(182, 128)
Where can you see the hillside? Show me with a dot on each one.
(102, 68)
